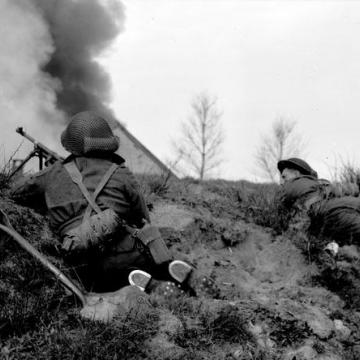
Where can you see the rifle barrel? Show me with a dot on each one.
(38, 144)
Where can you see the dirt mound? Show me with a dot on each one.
(266, 302)
(252, 263)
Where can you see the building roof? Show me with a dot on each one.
(144, 149)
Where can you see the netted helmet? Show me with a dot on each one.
(87, 133)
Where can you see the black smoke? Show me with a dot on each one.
(81, 30)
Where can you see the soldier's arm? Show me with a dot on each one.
(138, 204)
(30, 190)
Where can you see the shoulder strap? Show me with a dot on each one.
(101, 185)
(76, 177)
(104, 180)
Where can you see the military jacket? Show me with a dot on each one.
(64, 200)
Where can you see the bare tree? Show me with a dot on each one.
(282, 142)
(201, 137)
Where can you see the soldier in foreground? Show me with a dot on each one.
(96, 207)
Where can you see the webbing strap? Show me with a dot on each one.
(76, 177)
(101, 185)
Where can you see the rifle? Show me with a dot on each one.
(45, 155)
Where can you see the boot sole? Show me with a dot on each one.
(180, 270)
(142, 281)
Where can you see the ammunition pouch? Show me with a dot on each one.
(94, 232)
(151, 238)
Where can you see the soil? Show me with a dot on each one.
(268, 299)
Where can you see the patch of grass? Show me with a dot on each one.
(29, 294)
(289, 331)
(23, 311)
(348, 173)
(123, 338)
(216, 333)
(339, 274)
(152, 184)
(4, 182)
(341, 277)
(284, 329)
(6, 170)
(228, 326)
(264, 207)
(202, 328)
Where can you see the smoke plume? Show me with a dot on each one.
(48, 67)
(80, 31)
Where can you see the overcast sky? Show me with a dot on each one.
(262, 59)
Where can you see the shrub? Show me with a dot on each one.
(154, 184)
(264, 207)
(349, 174)
(6, 169)
(346, 179)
